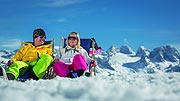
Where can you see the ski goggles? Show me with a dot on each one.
(40, 36)
(72, 37)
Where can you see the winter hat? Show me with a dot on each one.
(38, 32)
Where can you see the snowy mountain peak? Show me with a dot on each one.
(163, 53)
(126, 49)
(142, 51)
(113, 50)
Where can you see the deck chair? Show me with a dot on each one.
(90, 46)
(49, 73)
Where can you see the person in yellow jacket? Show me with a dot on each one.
(34, 57)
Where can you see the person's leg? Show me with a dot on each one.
(16, 69)
(62, 69)
(79, 65)
(42, 65)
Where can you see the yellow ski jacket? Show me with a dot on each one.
(31, 53)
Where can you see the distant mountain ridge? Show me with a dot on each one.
(165, 58)
(160, 58)
(164, 53)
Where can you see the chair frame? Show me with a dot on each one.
(93, 57)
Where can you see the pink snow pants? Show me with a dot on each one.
(63, 69)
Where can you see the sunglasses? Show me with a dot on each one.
(72, 37)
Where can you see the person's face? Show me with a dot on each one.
(39, 40)
(72, 40)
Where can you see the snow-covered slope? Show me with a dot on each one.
(122, 75)
(143, 60)
(5, 55)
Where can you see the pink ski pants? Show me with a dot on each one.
(63, 69)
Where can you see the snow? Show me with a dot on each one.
(123, 58)
(114, 87)
(115, 81)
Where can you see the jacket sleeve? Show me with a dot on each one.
(50, 52)
(61, 52)
(19, 54)
(86, 56)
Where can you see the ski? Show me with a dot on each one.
(3, 74)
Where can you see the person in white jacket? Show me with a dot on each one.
(73, 58)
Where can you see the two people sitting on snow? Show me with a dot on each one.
(73, 58)
(34, 57)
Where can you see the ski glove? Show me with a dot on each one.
(93, 63)
(10, 62)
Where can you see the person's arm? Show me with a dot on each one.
(89, 60)
(86, 56)
(60, 52)
(18, 56)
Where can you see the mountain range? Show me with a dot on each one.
(164, 58)
(124, 59)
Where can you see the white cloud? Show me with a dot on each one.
(59, 3)
(61, 20)
(10, 44)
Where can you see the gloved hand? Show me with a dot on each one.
(10, 62)
(93, 63)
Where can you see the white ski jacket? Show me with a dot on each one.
(66, 54)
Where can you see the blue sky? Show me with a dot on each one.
(149, 23)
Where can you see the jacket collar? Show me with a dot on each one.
(68, 48)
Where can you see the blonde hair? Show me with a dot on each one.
(78, 45)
